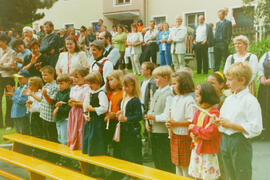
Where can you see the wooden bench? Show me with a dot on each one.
(125, 167)
(9, 175)
(38, 169)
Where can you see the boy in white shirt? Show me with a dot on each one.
(240, 120)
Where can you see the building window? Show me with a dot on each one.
(244, 16)
(159, 19)
(69, 26)
(191, 19)
(122, 2)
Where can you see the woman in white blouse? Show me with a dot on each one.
(72, 59)
(134, 41)
(241, 44)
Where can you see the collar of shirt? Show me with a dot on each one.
(241, 93)
(163, 89)
(96, 91)
(107, 48)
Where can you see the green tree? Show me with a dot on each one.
(18, 13)
(262, 12)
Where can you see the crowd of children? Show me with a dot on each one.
(196, 132)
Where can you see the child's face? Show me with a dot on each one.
(22, 80)
(47, 77)
(32, 87)
(113, 83)
(236, 85)
(218, 86)
(175, 86)
(128, 89)
(78, 79)
(144, 70)
(63, 85)
(161, 81)
(94, 86)
(198, 96)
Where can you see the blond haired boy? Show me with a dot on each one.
(240, 120)
(159, 133)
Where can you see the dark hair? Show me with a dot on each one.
(49, 23)
(83, 28)
(4, 38)
(149, 66)
(220, 77)
(140, 21)
(33, 43)
(72, 38)
(121, 26)
(17, 42)
(108, 35)
(186, 84)
(208, 94)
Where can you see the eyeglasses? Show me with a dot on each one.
(100, 38)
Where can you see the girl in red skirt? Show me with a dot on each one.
(75, 118)
(180, 115)
(205, 135)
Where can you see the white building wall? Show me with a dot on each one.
(78, 12)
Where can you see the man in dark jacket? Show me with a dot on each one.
(50, 44)
(202, 39)
(223, 37)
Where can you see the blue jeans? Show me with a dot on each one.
(62, 131)
(165, 58)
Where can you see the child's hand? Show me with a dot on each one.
(169, 124)
(224, 122)
(44, 92)
(60, 103)
(122, 118)
(118, 114)
(55, 111)
(87, 118)
(28, 103)
(10, 88)
(71, 102)
(9, 94)
(147, 126)
(191, 126)
(150, 117)
(90, 109)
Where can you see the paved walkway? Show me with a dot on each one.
(261, 163)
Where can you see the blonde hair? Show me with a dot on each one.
(63, 78)
(163, 71)
(36, 81)
(243, 39)
(239, 70)
(81, 71)
(47, 69)
(117, 74)
(131, 80)
(94, 77)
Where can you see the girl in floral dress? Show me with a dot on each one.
(205, 135)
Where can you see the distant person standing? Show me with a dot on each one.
(150, 39)
(28, 36)
(177, 38)
(202, 38)
(99, 25)
(229, 16)
(223, 36)
(50, 44)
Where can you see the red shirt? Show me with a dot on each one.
(208, 138)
